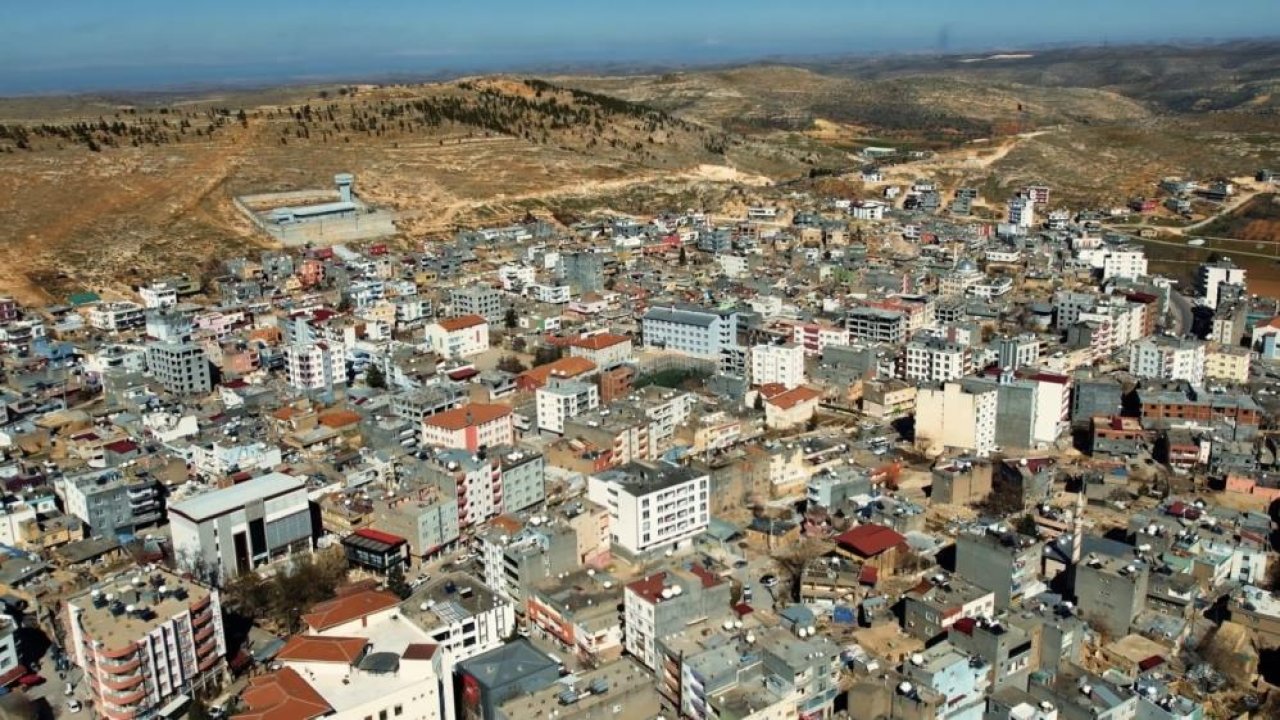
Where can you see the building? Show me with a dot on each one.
(470, 427)
(950, 681)
(491, 481)
(1127, 263)
(874, 325)
(458, 337)
(1022, 211)
(117, 317)
(315, 366)
(1013, 352)
(936, 603)
(479, 300)
(957, 415)
(1008, 564)
(934, 360)
(789, 408)
(581, 611)
(491, 680)
(1227, 364)
(816, 337)
(222, 533)
(180, 368)
(561, 400)
(461, 614)
(1259, 611)
(10, 668)
(375, 551)
(1110, 592)
(109, 502)
(144, 638)
(667, 601)
(888, 400)
(606, 350)
(516, 557)
(1167, 358)
(692, 331)
(652, 506)
(778, 364)
(1210, 276)
(621, 691)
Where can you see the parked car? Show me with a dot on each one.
(31, 680)
(769, 580)
(73, 706)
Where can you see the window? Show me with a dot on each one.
(382, 715)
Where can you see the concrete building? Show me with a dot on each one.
(516, 558)
(606, 350)
(936, 603)
(1210, 276)
(9, 666)
(1008, 564)
(144, 638)
(1110, 592)
(239, 528)
(584, 271)
(581, 611)
(180, 368)
(1093, 396)
(461, 614)
(952, 682)
(778, 364)
(652, 506)
(1014, 352)
(1227, 364)
(479, 300)
(491, 482)
(874, 325)
(109, 502)
(117, 317)
(498, 678)
(957, 415)
(692, 331)
(561, 400)
(1022, 211)
(1127, 263)
(470, 427)
(1166, 358)
(458, 337)
(934, 360)
(667, 601)
(315, 366)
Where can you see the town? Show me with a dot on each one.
(900, 453)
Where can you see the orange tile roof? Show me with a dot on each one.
(793, 397)
(349, 607)
(419, 651)
(599, 342)
(282, 695)
(462, 322)
(769, 390)
(565, 367)
(339, 417)
(314, 648)
(467, 416)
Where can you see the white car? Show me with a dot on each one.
(73, 706)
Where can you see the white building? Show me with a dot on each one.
(1212, 275)
(516, 277)
(1168, 359)
(692, 331)
(867, 210)
(242, 527)
(935, 360)
(550, 294)
(314, 366)
(158, 295)
(8, 646)
(116, 316)
(780, 364)
(560, 400)
(956, 415)
(652, 506)
(816, 337)
(1022, 211)
(462, 614)
(1129, 263)
(458, 337)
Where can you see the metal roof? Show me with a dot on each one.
(219, 502)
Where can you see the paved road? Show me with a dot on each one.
(1179, 313)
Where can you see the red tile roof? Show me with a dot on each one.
(793, 397)
(315, 648)
(649, 588)
(419, 651)
(467, 416)
(600, 341)
(565, 367)
(282, 695)
(379, 536)
(349, 607)
(870, 540)
(462, 322)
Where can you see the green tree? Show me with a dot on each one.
(511, 320)
(1027, 526)
(375, 378)
(396, 582)
(684, 256)
(198, 710)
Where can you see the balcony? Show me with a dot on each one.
(128, 651)
(125, 699)
(203, 634)
(121, 682)
(121, 668)
(209, 662)
(115, 713)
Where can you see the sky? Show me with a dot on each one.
(82, 45)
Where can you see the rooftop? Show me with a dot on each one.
(220, 502)
(123, 608)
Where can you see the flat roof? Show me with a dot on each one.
(219, 502)
(117, 630)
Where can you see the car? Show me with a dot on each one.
(769, 580)
(31, 680)
(740, 563)
(70, 689)
(74, 706)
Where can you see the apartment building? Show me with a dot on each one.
(778, 364)
(1111, 591)
(1128, 263)
(242, 527)
(117, 316)
(142, 639)
(1007, 564)
(957, 415)
(1165, 358)
(667, 601)
(491, 482)
(470, 427)
(180, 368)
(561, 400)
(315, 366)
(652, 506)
(1211, 276)
(109, 502)
(479, 300)
(458, 337)
(873, 325)
(1227, 364)
(692, 331)
(816, 337)
(935, 360)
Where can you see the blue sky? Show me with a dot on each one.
(61, 45)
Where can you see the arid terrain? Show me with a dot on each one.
(102, 191)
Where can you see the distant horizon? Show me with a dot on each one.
(86, 46)
(254, 77)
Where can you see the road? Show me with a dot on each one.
(1179, 313)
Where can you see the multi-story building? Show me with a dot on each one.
(867, 324)
(652, 506)
(479, 300)
(815, 337)
(950, 682)
(181, 368)
(934, 605)
(470, 427)
(1129, 263)
(561, 399)
(1227, 363)
(777, 364)
(491, 482)
(9, 666)
(1110, 592)
(144, 638)
(957, 415)
(934, 360)
(516, 558)
(1022, 211)
(158, 295)
(117, 316)
(606, 350)
(1007, 564)
(458, 337)
(667, 601)
(1167, 358)
(462, 614)
(1016, 351)
(110, 502)
(693, 331)
(314, 366)
(1211, 275)
(222, 533)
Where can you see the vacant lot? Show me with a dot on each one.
(1256, 221)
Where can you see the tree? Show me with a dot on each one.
(198, 710)
(546, 354)
(511, 319)
(1027, 526)
(396, 582)
(375, 378)
(759, 404)
(684, 256)
(511, 364)
(812, 423)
